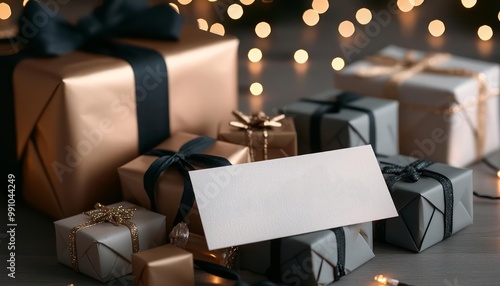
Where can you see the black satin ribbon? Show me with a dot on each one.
(184, 161)
(411, 173)
(274, 271)
(114, 18)
(339, 270)
(326, 107)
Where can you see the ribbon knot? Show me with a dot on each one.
(185, 159)
(114, 215)
(410, 173)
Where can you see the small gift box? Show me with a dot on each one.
(434, 201)
(159, 179)
(267, 137)
(100, 242)
(448, 105)
(81, 115)
(164, 265)
(334, 119)
(317, 258)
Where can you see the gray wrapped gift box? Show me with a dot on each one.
(312, 259)
(334, 120)
(104, 251)
(424, 217)
(439, 113)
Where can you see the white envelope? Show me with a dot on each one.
(271, 199)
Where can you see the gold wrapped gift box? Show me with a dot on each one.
(170, 185)
(76, 115)
(164, 265)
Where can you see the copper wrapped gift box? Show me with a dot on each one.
(81, 115)
(267, 137)
(448, 105)
(434, 201)
(317, 258)
(100, 242)
(145, 181)
(334, 119)
(164, 265)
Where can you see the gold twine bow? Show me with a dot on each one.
(400, 70)
(256, 121)
(115, 215)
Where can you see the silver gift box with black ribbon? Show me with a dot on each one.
(434, 201)
(334, 120)
(317, 258)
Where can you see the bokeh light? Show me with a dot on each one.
(217, 29)
(235, 11)
(5, 11)
(417, 2)
(255, 55)
(256, 89)
(301, 56)
(247, 2)
(25, 2)
(363, 16)
(469, 3)
(184, 2)
(176, 8)
(202, 24)
(346, 29)
(436, 28)
(338, 63)
(485, 32)
(310, 17)
(320, 6)
(263, 29)
(405, 5)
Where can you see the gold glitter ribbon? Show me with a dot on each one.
(259, 121)
(115, 215)
(400, 70)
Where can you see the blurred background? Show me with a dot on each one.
(289, 49)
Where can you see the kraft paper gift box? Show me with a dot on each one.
(433, 200)
(448, 109)
(76, 115)
(169, 196)
(280, 141)
(103, 250)
(164, 265)
(317, 258)
(333, 119)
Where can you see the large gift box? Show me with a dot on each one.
(169, 192)
(434, 201)
(317, 258)
(100, 242)
(81, 115)
(448, 104)
(267, 137)
(164, 265)
(334, 119)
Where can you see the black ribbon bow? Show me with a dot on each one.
(184, 160)
(43, 33)
(343, 101)
(411, 173)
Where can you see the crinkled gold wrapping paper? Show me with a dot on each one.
(282, 140)
(164, 265)
(76, 115)
(105, 250)
(170, 185)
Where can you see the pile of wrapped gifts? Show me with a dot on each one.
(152, 170)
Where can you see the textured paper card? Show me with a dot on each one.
(264, 200)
